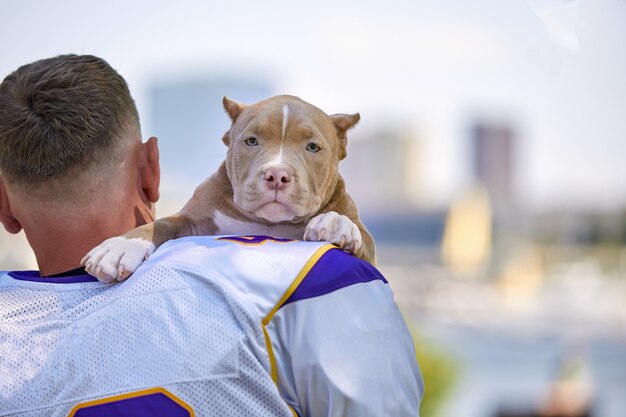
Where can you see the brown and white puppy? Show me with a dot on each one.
(280, 178)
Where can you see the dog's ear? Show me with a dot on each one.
(343, 123)
(233, 108)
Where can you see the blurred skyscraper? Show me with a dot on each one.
(379, 170)
(189, 119)
(493, 155)
(383, 173)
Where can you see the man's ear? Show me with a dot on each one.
(150, 169)
(343, 123)
(11, 224)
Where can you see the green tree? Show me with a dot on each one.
(440, 372)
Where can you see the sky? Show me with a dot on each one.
(553, 69)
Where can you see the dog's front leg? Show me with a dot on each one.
(334, 228)
(117, 258)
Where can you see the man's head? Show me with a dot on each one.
(70, 140)
(60, 119)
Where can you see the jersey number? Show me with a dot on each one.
(155, 402)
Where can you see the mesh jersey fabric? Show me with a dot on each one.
(190, 321)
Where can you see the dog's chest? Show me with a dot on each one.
(227, 225)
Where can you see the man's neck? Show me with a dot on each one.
(61, 244)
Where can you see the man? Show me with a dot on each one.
(250, 326)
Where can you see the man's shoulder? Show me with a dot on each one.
(236, 251)
(334, 270)
(269, 271)
(257, 270)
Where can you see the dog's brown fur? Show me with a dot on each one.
(273, 181)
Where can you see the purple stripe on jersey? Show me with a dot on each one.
(336, 269)
(151, 405)
(256, 239)
(35, 277)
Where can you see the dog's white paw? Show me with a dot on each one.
(334, 228)
(116, 258)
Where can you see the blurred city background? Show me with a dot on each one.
(489, 163)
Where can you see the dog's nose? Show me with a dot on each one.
(277, 178)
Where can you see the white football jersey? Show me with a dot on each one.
(210, 326)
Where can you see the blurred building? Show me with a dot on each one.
(493, 155)
(380, 170)
(383, 173)
(189, 119)
(15, 253)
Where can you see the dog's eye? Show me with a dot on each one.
(312, 147)
(252, 142)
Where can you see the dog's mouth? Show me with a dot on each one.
(285, 204)
(277, 206)
(275, 212)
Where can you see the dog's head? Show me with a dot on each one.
(283, 156)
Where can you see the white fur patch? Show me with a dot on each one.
(117, 258)
(285, 119)
(227, 225)
(279, 157)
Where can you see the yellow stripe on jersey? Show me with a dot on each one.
(294, 285)
(135, 394)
